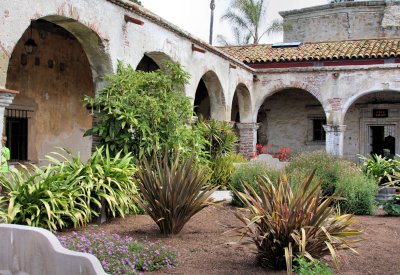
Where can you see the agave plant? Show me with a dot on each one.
(173, 191)
(283, 222)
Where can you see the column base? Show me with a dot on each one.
(334, 139)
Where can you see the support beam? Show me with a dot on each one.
(133, 20)
(197, 49)
(334, 139)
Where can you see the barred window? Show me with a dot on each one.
(17, 134)
(318, 129)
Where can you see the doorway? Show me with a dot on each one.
(377, 139)
(382, 140)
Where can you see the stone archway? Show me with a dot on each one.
(241, 105)
(293, 118)
(152, 61)
(68, 64)
(372, 122)
(209, 100)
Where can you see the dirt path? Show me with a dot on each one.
(204, 249)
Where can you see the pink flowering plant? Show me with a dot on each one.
(121, 254)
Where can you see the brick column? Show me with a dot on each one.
(247, 138)
(334, 139)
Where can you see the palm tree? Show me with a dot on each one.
(248, 20)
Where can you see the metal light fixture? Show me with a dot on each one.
(30, 45)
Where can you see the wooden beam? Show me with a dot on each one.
(133, 20)
(231, 66)
(197, 49)
(8, 91)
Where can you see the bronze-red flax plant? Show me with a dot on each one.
(173, 190)
(284, 222)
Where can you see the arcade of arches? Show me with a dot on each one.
(347, 106)
(52, 82)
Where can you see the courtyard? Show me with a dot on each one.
(118, 129)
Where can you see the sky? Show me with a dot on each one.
(194, 15)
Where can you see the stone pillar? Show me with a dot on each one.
(334, 139)
(247, 138)
(6, 98)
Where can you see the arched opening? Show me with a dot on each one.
(67, 64)
(209, 100)
(147, 65)
(241, 105)
(291, 118)
(152, 61)
(202, 107)
(372, 125)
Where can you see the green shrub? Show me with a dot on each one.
(358, 192)
(283, 222)
(107, 179)
(222, 168)
(302, 266)
(392, 206)
(328, 168)
(338, 177)
(172, 190)
(249, 173)
(69, 192)
(140, 112)
(380, 168)
(220, 136)
(41, 197)
(220, 148)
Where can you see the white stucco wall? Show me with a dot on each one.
(121, 40)
(100, 27)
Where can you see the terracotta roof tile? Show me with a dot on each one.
(315, 51)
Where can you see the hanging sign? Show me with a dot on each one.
(379, 113)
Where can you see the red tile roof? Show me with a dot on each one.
(316, 51)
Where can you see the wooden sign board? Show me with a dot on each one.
(380, 113)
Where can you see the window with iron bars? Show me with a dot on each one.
(17, 134)
(318, 129)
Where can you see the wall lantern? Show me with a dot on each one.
(30, 45)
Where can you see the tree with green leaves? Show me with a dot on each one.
(137, 2)
(140, 112)
(248, 20)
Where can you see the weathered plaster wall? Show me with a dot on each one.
(359, 117)
(287, 121)
(105, 39)
(336, 88)
(120, 40)
(54, 96)
(340, 21)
